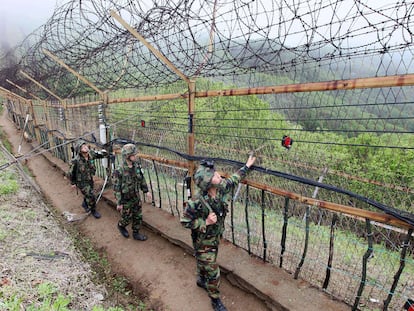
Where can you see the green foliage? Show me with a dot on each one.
(46, 289)
(390, 166)
(100, 308)
(8, 183)
(11, 303)
(8, 180)
(4, 141)
(120, 285)
(350, 247)
(3, 235)
(48, 299)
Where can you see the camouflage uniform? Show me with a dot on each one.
(127, 183)
(81, 172)
(206, 238)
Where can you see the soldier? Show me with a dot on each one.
(128, 180)
(205, 217)
(81, 172)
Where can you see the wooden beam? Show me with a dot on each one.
(82, 78)
(175, 163)
(376, 82)
(15, 85)
(157, 53)
(343, 209)
(361, 83)
(41, 86)
(334, 207)
(10, 93)
(22, 89)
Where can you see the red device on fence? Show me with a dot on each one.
(409, 305)
(287, 142)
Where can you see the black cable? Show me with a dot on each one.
(401, 215)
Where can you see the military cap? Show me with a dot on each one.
(79, 145)
(204, 174)
(128, 150)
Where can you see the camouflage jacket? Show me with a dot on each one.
(196, 212)
(81, 170)
(127, 183)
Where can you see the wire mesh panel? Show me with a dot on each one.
(82, 122)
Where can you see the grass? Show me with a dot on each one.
(4, 140)
(8, 180)
(48, 299)
(8, 183)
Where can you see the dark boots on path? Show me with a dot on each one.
(85, 206)
(138, 236)
(93, 211)
(123, 231)
(201, 282)
(217, 304)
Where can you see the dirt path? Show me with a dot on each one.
(164, 272)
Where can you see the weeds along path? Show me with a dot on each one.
(155, 269)
(39, 261)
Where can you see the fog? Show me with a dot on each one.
(18, 18)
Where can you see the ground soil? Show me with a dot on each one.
(161, 268)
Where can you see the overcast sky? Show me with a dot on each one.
(19, 18)
(26, 12)
(25, 15)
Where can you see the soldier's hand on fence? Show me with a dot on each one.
(211, 219)
(119, 208)
(149, 196)
(251, 160)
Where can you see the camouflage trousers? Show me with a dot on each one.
(206, 250)
(89, 196)
(131, 212)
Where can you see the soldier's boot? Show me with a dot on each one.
(123, 231)
(138, 236)
(201, 282)
(84, 205)
(95, 213)
(217, 304)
